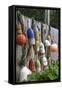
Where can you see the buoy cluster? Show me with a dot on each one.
(37, 60)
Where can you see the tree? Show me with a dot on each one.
(39, 15)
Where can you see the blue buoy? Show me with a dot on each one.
(30, 33)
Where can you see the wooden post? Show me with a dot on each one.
(47, 21)
(47, 17)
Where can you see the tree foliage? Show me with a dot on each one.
(39, 15)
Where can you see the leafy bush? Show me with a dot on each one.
(51, 73)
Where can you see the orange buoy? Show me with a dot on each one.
(21, 39)
(53, 48)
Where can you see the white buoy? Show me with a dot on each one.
(47, 43)
(44, 61)
(24, 72)
(41, 46)
(32, 41)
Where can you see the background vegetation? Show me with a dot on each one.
(39, 14)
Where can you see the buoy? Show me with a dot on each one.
(41, 45)
(32, 41)
(37, 35)
(41, 54)
(21, 39)
(49, 37)
(37, 63)
(49, 60)
(32, 65)
(24, 72)
(47, 43)
(54, 47)
(44, 61)
(18, 26)
(30, 35)
(41, 48)
(36, 46)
